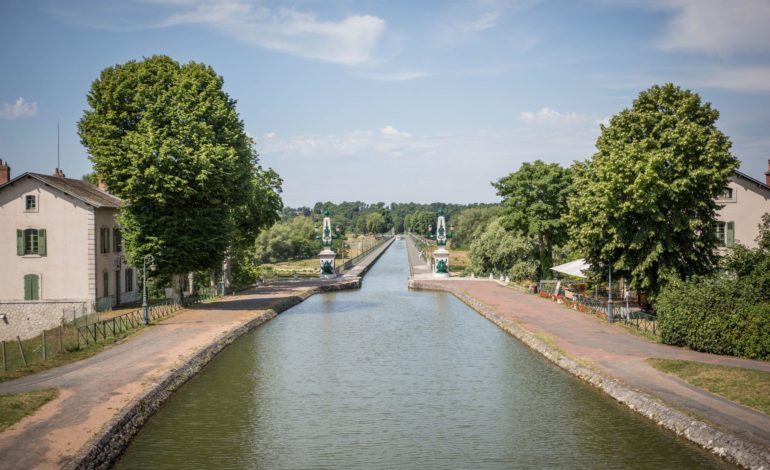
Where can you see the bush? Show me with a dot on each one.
(720, 314)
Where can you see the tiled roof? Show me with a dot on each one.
(78, 189)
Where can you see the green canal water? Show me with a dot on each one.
(387, 378)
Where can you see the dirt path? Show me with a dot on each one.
(620, 354)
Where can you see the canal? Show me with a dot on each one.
(387, 378)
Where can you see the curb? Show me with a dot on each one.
(727, 446)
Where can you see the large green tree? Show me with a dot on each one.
(470, 223)
(645, 201)
(167, 139)
(534, 202)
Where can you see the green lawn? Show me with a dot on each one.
(744, 386)
(15, 407)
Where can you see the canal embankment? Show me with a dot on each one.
(106, 399)
(614, 361)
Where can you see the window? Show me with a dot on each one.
(728, 193)
(30, 203)
(31, 287)
(106, 283)
(31, 241)
(129, 279)
(104, 238)
(720, 231)
(725, 232)
(117, 241)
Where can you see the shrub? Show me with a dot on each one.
(720, 314)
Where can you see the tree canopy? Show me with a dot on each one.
(167, 139)
(645, 202)
(534, 202)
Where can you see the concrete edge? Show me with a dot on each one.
(106, 446)
(382, 249)
(728, 446)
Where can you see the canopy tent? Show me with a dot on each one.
(573, 268)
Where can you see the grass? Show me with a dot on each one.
(15, 407)
(459, 260)
(745, 386)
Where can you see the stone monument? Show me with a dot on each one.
(327, 255)
(441, 255)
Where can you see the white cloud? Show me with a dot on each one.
(404, 169)
(548, 115)
(348, 41)
(393, 132)
(717, 26)
(755, 79)
(20, 109)
(268, 135)
(482, 22)
(397, 76)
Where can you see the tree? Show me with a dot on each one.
(534, 202)
(375, 222)
(645, 201)
(498, 250)
(470, 223)
(167, 139)
(284, 241)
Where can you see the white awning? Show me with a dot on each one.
(573, 268)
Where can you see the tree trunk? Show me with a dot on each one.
(177, 283)
(213, 280)
(226, 268)
(191, 283)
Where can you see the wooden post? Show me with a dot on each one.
(61, 337)
(45, 352)
(5, 361)
(21, 350)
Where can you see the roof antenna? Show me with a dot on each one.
(58, 161)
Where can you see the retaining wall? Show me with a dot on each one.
(727, 446)
(28, 319)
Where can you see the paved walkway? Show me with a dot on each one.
(618, 353)
(419, 268)
(95, 390)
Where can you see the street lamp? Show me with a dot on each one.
(609, 295)
(148, 260)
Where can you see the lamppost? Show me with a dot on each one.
(149, 259)
(609, 295)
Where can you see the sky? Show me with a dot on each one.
(394, 101)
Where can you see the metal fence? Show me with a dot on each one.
(83, 331)
(642, 321)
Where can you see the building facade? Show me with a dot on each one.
(60, 251)
(743, 204)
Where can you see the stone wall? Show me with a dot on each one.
(29, 319)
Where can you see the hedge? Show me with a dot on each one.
(717, 314)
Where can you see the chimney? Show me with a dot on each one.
(767, 173)
(59, 173)
(5, 172)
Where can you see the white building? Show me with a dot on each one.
(60, 252)
(744, 202)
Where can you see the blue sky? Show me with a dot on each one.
(394, 101)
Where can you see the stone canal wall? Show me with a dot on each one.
(105, 448)
(727, 446)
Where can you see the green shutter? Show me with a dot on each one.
(20, 242)
(35, 287)
(730, 235)
(31, 287)
(41, 245)
(27, 287)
